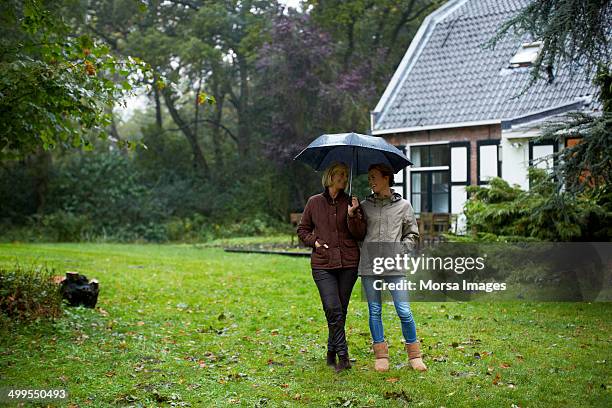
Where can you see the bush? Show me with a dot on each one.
(64, 226)
(258, 225)
(542, 212)
(109, 196)
(104, 187)
(28, 293)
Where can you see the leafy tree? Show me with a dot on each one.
(328, 66)
(203, 49)
(371, 36)
(55, 85)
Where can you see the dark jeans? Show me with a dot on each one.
(335, 287)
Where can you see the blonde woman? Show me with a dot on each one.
(332, 224)
(390, 219)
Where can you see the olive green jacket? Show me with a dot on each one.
(389, 220)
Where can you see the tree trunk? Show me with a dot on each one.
(216, 135)
(199, 161)
(40, 165)
(158, 113)
(243, 120)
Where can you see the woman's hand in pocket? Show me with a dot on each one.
(319, 245)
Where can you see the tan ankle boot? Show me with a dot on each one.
(414, 356)
(381, 353)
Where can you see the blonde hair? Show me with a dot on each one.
(329, 172)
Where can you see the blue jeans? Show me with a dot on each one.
(402, 307)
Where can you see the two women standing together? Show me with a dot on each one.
(332, 224)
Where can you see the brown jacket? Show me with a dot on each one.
(327, 221)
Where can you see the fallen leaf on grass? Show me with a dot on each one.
(504, 365)
(496, 379)
(400, 395)
(392, 380)
(462, 373)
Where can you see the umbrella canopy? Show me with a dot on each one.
(352, 148)
(356, 150)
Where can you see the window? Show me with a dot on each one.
(572, 141)
(541, 154)
(459, 175)
(430, 191)
(489, 160)
(399, 178)
(430, 156)
(585, 174)
(430, 178)
(526, 55)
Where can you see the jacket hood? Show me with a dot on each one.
(394, 197)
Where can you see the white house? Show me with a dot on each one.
(458, 110)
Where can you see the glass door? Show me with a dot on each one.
(430, 191)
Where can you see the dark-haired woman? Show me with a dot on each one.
(390, 221)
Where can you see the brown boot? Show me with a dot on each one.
(414, 356)
(381, 353)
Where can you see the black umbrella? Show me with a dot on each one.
(356, 150)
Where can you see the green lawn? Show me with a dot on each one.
(186, 326)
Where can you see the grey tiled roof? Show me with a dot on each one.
(450, 78)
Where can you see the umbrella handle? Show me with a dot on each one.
(353, 159)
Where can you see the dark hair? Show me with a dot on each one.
(385, 170)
